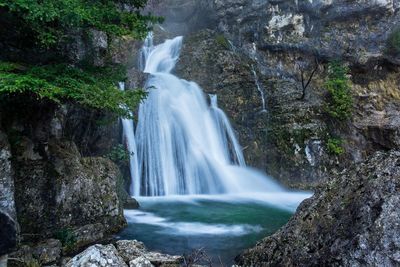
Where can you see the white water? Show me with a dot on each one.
(189, 228)
(129, 136)
(184, 145)
(259, 89)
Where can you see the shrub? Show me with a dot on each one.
(339, 102)
(49, 22)
(334, 146)
(393, 42)
(92, 87)
(67, 237)
(119, 155)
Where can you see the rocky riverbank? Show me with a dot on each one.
(122, 253)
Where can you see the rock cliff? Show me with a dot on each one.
(273, 48)
(353, 220)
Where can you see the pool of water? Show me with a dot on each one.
(220, 225)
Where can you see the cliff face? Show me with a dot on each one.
(285, 42)
(58, 190)
(351, 221)
(51, 185)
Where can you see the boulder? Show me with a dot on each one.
(353, 220)
(98, 256)
(131, 250)
(140, 262)
(131, 204)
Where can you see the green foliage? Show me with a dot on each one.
(334, 146)
(67, 237)
(339, 103)
(393, 42)
(92, 87)
(222, 41)
(119, 155)
(49, 22)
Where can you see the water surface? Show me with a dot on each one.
(221, 225)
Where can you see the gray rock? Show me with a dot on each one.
(140, 262)
(98, 256)
(131, 204)
(8, 222)
(48, 251)
(353, 220)
(130, 250)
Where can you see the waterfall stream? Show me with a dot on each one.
(185, 146)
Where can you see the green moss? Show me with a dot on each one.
(67, 238)
(119, 155)
(90, 86)
(222, 41)
(393, 42)
(334, 146)
(339, 101)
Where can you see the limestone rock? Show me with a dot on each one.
(131, 250)
(353, 220)
(140, 262)
(98, 256)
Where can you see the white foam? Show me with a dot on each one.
(288, 201)
(189, 228)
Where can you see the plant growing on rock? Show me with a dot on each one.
(334, 146)
(67, 237)
(393, 42)
(119, 155)
(339, 102)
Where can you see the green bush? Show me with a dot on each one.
(92, 87)
(50, 22)
(67, 237)
(119, 155)
(393, 42)
(334, 146)
(339, 104)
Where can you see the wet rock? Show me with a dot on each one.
(98, 256)
(353, 220)
(131, 204)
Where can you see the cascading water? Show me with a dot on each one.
(129, 135)
(184, 145)
(259, 89)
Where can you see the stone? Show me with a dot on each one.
(131, 204)
(48, 251)
(98, 256)
(140, 262)
(8, 223)
(130, 249)
(352, 220)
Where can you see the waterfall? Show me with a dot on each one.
(259, 89)
(184, 145)
(129, 136)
